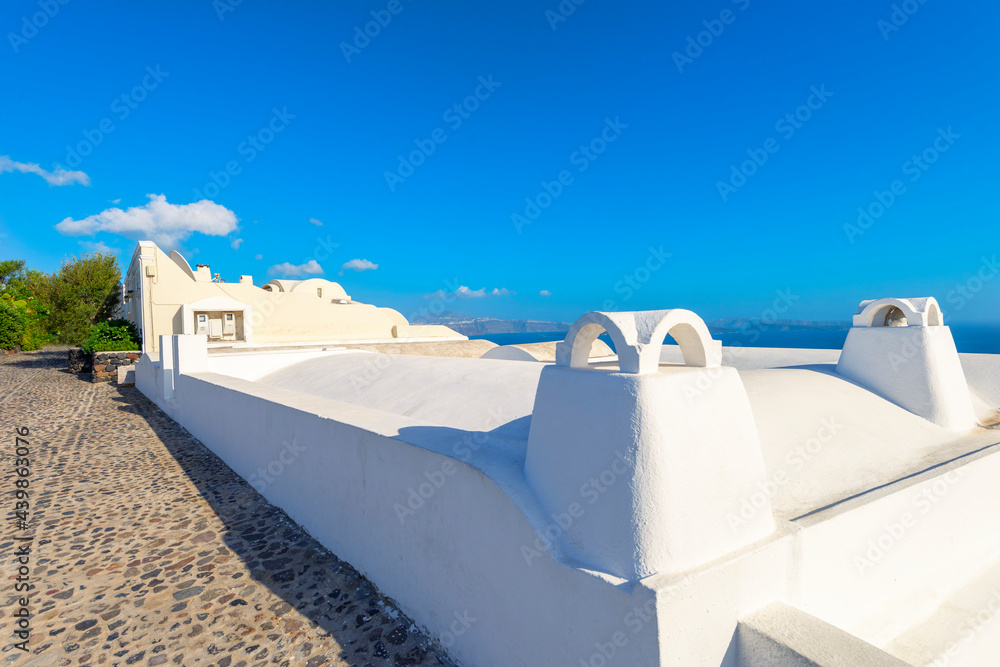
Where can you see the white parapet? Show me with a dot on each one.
(590, 514)
(669, 452)
(901, 350)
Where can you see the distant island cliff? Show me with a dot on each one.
(479, 326)
(735, 324)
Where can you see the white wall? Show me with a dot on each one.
(350, 467)
(915, 367)
(470, 545)
(881, 564)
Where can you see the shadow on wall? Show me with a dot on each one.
(509, 438)
(284, 558)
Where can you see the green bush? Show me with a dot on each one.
(111, 336)
(83, 292)
(20, 288)
(35, 336)
(12, 322)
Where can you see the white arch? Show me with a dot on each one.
(919, 312)
(691, 334)
(574, 351)
(638, 337)
(283, 285)
(889, 315)
(935, 317)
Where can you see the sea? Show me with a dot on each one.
(973, 338)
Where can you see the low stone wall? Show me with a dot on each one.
(79, 361)
(106, 364)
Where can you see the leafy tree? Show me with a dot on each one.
(8, 269)
(82, 292)
(22, 285)
(11, 324)
(18, 291)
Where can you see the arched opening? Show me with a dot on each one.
(689, 339)
(575, 350)
(638, 338)
(934, 316)
(692, 336)
(889, 316)
(583, 344)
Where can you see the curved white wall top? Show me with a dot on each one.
(901, 350)
(638, 337)
(896, 312)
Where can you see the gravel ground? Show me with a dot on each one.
(146, 549)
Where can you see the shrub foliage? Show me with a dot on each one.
(38, 308)
(81, 293)
(113, 335)
(12, 324)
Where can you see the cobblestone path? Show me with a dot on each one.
(148, 550)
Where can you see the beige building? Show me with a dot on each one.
(163, 295)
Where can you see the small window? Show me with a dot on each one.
(229, 317)
(319, 292)
(202, 319)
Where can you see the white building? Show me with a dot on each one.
(163, 295)
(671, 505)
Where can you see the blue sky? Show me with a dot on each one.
(626, 156)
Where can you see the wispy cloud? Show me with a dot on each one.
(310, 268)
(358, 265)
(164, 223)
(316, 222)
(236, 243)
(545, 292)
(58, 177)
(258, 257)
(99, 246)
(464, 292)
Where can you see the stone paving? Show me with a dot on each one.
(148, 550)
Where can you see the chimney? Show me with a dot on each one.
(203, 273)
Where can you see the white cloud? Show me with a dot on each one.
(116, 201)
(165, 224)
(316, 222)
(310, 268)
(464, 292)
(358, 265)
(58, 177)
(545, 292)
(236, 244)
(100, 247)
(258, 257)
